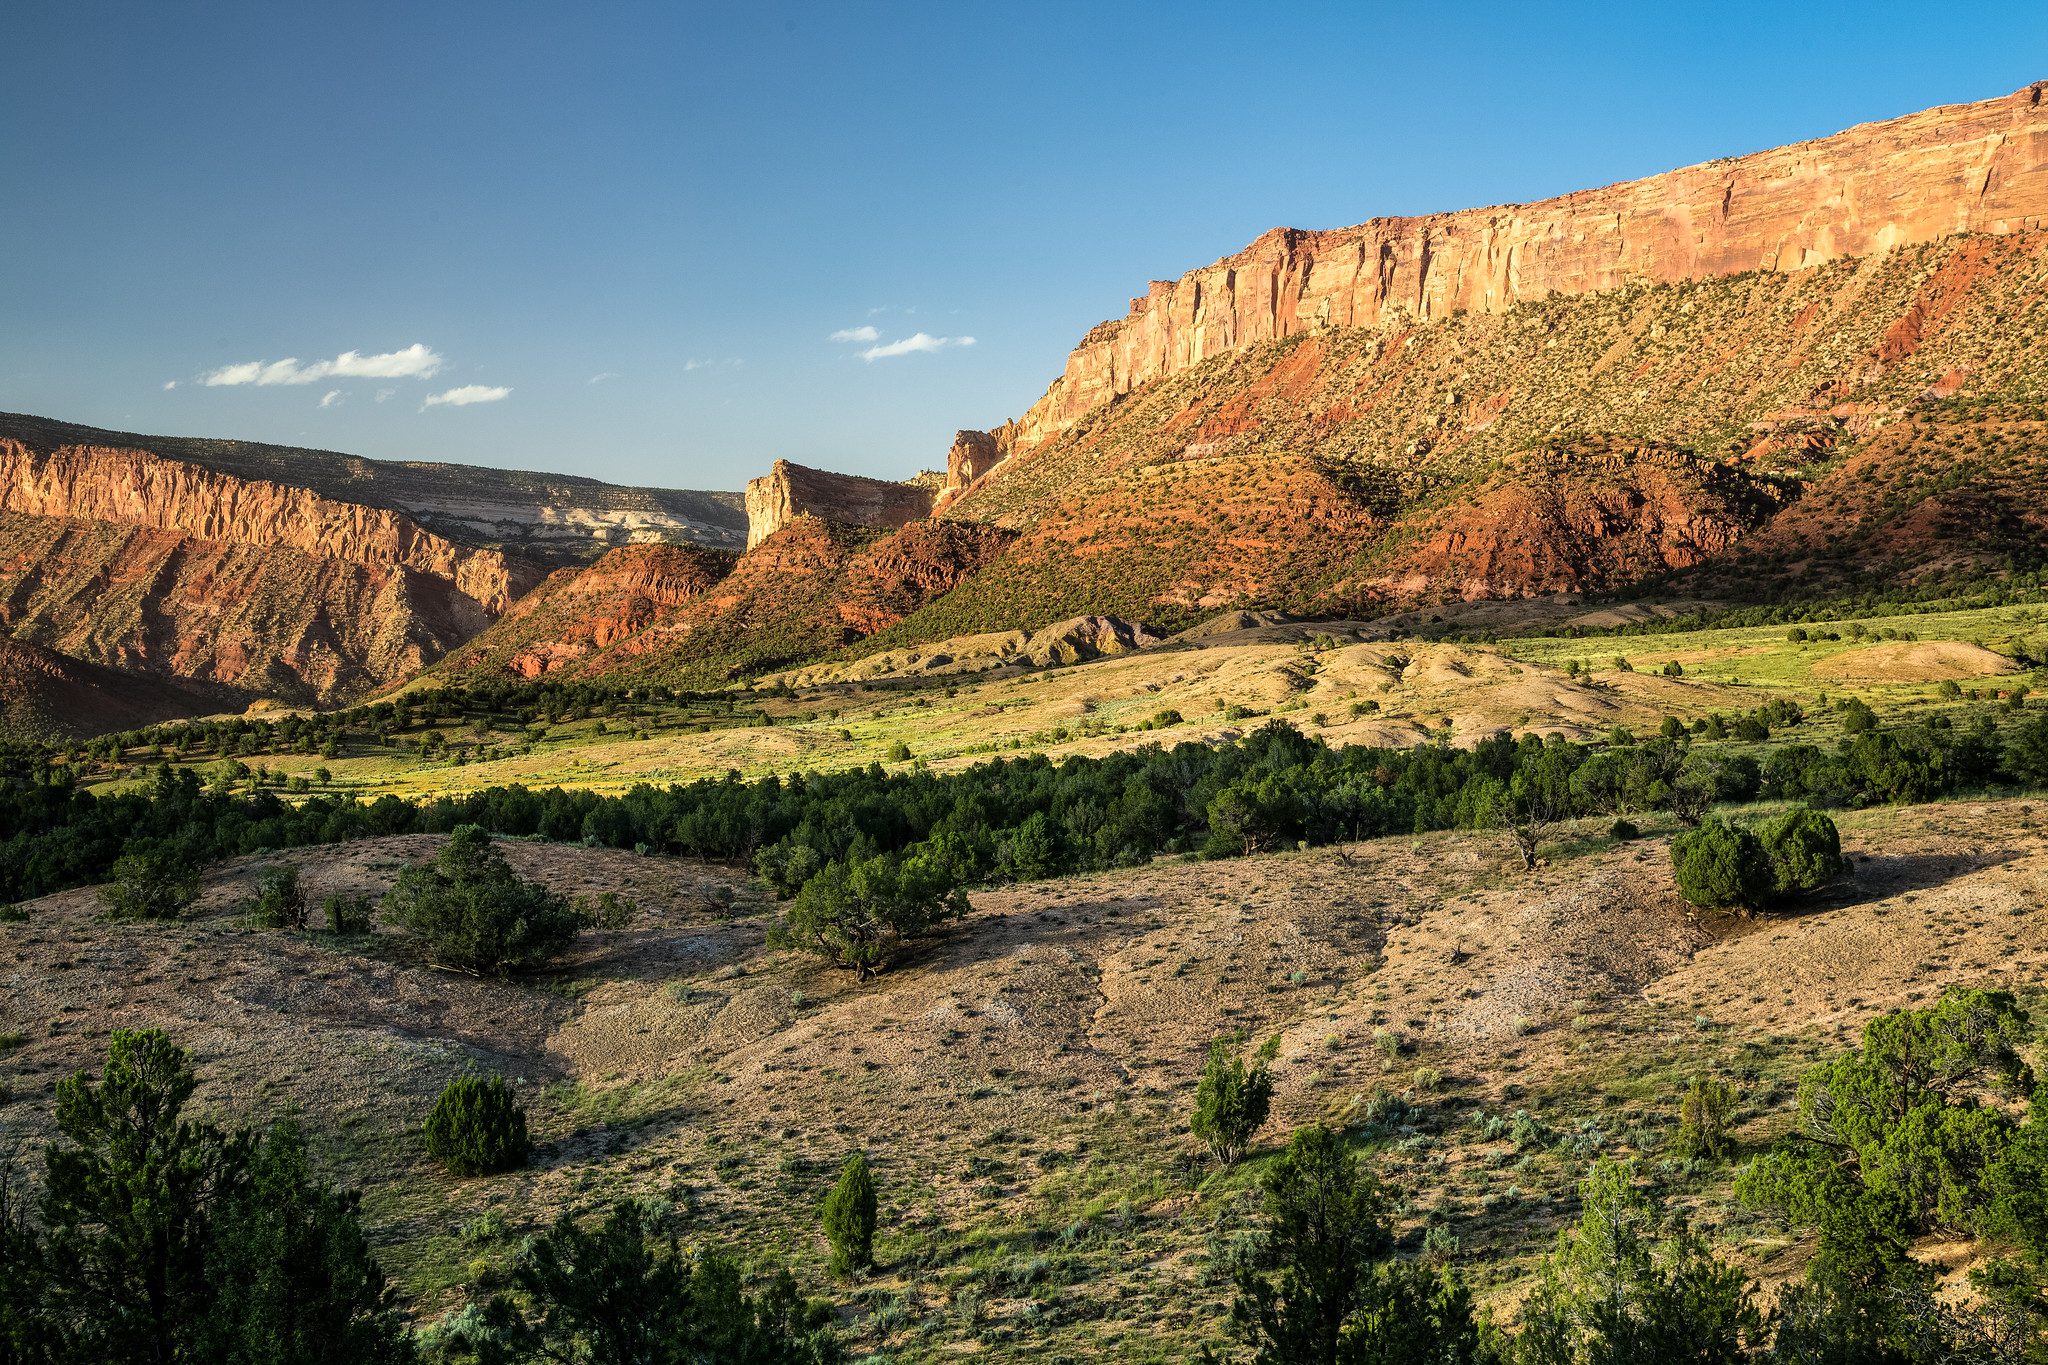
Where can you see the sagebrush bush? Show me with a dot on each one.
(280, 903)
(347, 914)
(477, 1128)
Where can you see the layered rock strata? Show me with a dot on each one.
(1979, 167)
(557, 518)
(243, 587)
(789, 491)
(136, 488)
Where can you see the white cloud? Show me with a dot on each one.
(172, 385)
(921, 342)
(689, 365)
(464, 396)
(856, 334)
(383, 394)
(414, 362)
(600, 378)
(332, 397)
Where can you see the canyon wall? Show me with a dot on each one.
(136, 488)
(789, 491)
(1979, 167)
(556, 518)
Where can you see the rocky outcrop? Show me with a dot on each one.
(1979, 167)
(1589, 516)
(789, 491)
(240, 587)
(810, 588)
(136, 488)
(580, 612)
(973, 454)
(554, 518)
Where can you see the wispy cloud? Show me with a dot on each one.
(600, 378)
(689, 365)
(855, 334)
(920, 342)
(331, 398)
(464, 396)
(172, 385)
(414, 362)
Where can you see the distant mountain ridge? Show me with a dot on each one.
(557, 519)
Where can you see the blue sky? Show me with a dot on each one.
(645, 224)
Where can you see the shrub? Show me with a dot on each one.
(1231, 1102)
(280, 904)
(899, 752)
(150, 886)
(1623, 831)
(1949, 690)
(850, 1217)
(1703, 1120)
(1857, 717)
(13, 914)
(1805, 851)
(1428, 1078)
(610, 911)
(474, 915)
(1720, 867)
(347, 914)
(476, 1128)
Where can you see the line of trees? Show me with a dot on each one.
(1021, 819)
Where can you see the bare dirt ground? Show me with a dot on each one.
(1030, 1068)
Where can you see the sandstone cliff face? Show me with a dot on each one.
(243, 587)
(973, 454)
(789, 491)
(1979, 167)
(136, 488)
(1324, 472)
(580, 612)
(235, 621)
(556, 518)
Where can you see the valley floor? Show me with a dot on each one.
(1023, 1081)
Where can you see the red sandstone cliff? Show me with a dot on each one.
(136, 488)
(246, 586)
(789, 491)
(1979, 167)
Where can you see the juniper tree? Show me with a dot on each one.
(850, 1217)
(1231, 1101)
